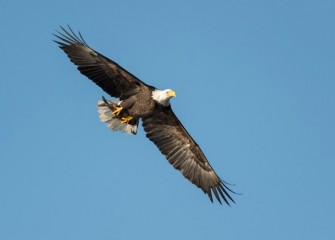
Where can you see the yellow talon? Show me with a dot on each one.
(117, 110)
(126, 119)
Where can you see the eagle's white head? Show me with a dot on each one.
(163, 96)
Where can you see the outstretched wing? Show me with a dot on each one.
(111, 77)
(165, 130)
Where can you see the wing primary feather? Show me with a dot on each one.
(216, 194)
(228, 183)
(69, 34)
(224, 184)
(226, 193)
(209, 193)
(82, 39)
(222, 195)
(68, 37)
(74, 35)
(64, 38)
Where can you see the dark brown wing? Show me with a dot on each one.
(165, 130)
(107, 74)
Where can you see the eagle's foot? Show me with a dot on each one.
(126, 119)
(117, 110)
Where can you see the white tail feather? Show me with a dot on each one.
(112, 122)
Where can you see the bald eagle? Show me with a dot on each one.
(137, 100)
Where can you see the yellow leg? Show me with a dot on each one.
(126, 119)
(117, 110)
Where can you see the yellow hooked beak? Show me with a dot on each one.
(171, 93)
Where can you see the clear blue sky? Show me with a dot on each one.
(255, 83)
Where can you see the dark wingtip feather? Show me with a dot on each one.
(217, 195)
(225, 185)
(209, 193)
(222, 187)
(230, 184)
(221, 191)
(81, 37)
(69, 37)
(58, 42)
(223, 196)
